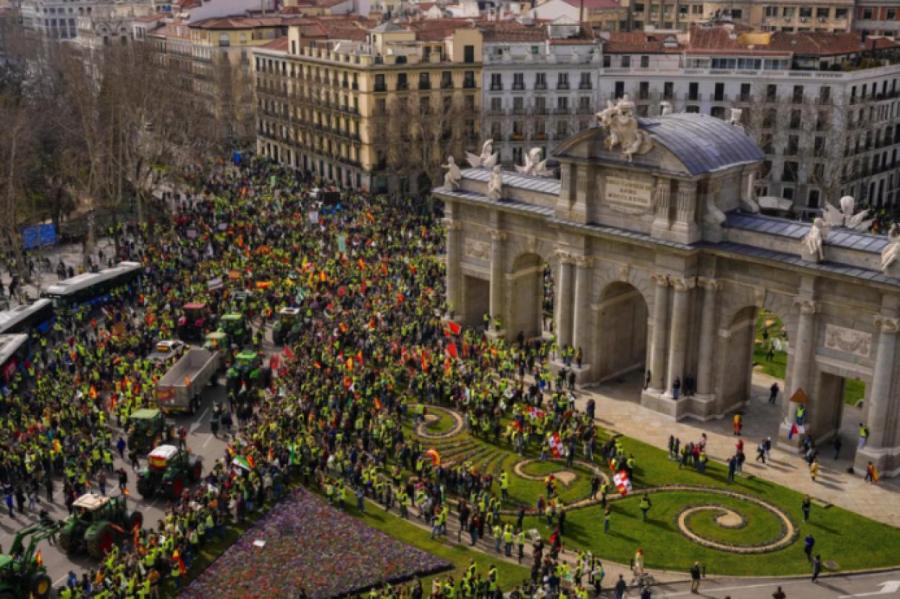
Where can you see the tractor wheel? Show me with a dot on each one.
(177, 487)
(196, 471)
(145, 488)
(41, 586)
(65, 542)
(101, 543)
(136, 518)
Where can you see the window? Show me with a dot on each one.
(402, 82)
(562, 104)
(745, 92)
(668, 90)
(562, 129)
(692, 108)
(562, 81)
(840, 13)
(607, 61)
(795, 119)
(819, 147)
(867, 13)
(585, 82)
(790, 171)
(424, 105)
(626, 62)
(620, 89)
(469, 80)
(446, 80)
(643, 90)
(812, 198)
(823, 12)
(693, 93)
(518, 104)
(798, 94)
(540, 105)
(717, 112)
(788, 11)
(496, 105)
(584, 104)
(771, 92)
(518, 81)
(737, 13)
(379, 83)
(793, 146)
(645, 62)
(771, 11)
(380, 106)
(424, 81)
(540, 81)
(824, 94)
(469, 54)
(469, 102)
(496, 81)
(719, 92)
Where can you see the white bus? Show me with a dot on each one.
(94, 288)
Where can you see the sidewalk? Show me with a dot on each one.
(71, 255)
(617, 409)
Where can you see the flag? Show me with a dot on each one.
(288, 352)
(556, 446)
(622, 482)
(794, 430)
(452, 351)
(454, 327)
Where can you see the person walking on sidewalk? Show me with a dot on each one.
(816, 567)
(620, 587)
(695, 578)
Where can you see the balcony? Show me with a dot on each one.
(496, 87)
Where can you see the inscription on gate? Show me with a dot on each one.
(629, 195)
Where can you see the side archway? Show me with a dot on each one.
(526, 296)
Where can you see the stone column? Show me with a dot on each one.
(882, 375)
(661, 200)
(660, 333)
(678, 333)
(563, 301)
(581, 330)
(454, 270)
(497, 278)
(802, 351)
(707, 336)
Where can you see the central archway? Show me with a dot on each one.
(621, 340)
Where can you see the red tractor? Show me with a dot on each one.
(193, 321)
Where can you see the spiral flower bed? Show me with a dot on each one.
(310, 545)
(423, 429)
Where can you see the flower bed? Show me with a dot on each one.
(310, 545)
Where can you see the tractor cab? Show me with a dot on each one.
(287, 326)
(248, 365)
(22, 571)
(146, 427)
(169, 471)
(96, 524)
(234, 325)
(216, 340)
(193, 321)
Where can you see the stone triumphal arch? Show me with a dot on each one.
(661, 262)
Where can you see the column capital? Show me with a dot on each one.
(452, 225)
(683, 283)
(565, 257)
(584, 261)
(887, 324)
(498, 235)
(709, 283)
(805, 305)
(662, 280)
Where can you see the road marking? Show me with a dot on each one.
(209, 438)
(887, 587)
(739, 588)
(61, 579)
(199, 420)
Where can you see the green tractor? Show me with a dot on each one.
(169, 471)
(22, 571)
(234, 325)
(250, 368)
(97, 524)
(146, 428)
(287, 327)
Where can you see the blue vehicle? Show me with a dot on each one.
(35, 318)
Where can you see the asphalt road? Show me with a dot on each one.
(200, 441)
(883, 585)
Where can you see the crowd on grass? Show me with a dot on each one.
(374, 343)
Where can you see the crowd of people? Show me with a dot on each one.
(367, 278)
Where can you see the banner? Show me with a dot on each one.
(38, 236)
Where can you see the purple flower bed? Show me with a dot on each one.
(311, 545)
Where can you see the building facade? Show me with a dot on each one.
(878, 17)
(541, 83)
(370, 106)
(661, 264)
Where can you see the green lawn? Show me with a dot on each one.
(443, 424)
(510, 574)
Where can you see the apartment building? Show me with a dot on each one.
(825, 107)
(541, 85)
(781, 15)
(210, 58)
(878, 17)
(370, 106)
(110, 23)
